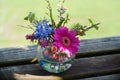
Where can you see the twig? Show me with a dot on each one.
(27, 27)
(91, 26)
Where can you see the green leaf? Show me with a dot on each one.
(26, 18)
(90, 20)
(31, 16)
(96, 27)
(76, 26)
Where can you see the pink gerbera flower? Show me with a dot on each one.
(66, 40)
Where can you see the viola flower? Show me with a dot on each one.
(31, 37)
(43, 42)
(66, 40)
(43, 30)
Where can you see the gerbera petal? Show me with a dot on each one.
(62, 35)
(64, 31)
(72, 32)
(73, 50)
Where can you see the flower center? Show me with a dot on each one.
(66, 41)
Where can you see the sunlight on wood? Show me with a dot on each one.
(34, 77)
(34, 60)
(23, 47)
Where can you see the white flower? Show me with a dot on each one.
(61, 9)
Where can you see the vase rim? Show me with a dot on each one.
(40, 54)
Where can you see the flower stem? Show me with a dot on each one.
(60, 23)
(50, 13)
(51, 17)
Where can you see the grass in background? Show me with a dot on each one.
(12, 13)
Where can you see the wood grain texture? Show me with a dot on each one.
(2, 76)
(88, 48)
(82, 68)
(105, 77)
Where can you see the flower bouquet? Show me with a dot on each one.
(57, 44)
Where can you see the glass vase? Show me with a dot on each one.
(52, 65)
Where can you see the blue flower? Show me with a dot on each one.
(43, 30)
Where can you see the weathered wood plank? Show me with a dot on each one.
(97, 47)
(88, 48)
(17, 53)
(106, 77)
(2, 77)
(82, 68)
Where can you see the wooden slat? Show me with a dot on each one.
(17, 53)
(2, 77)
(88, 48)
(82, 68)
(106, 77)
(97, 47)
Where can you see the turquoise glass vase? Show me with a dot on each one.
(53, 65)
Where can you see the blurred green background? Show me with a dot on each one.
(12, 13)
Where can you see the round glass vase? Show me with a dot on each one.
(52, 65)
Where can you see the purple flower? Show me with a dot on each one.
(66, 40)
(43, 42)
(31, 37)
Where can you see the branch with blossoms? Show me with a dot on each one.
(61, 10)
(81, 29)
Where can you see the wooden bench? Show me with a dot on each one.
(97, 59)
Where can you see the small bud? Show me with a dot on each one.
(60, 59)
(54, 49)
(55, 56)
(46, 52)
